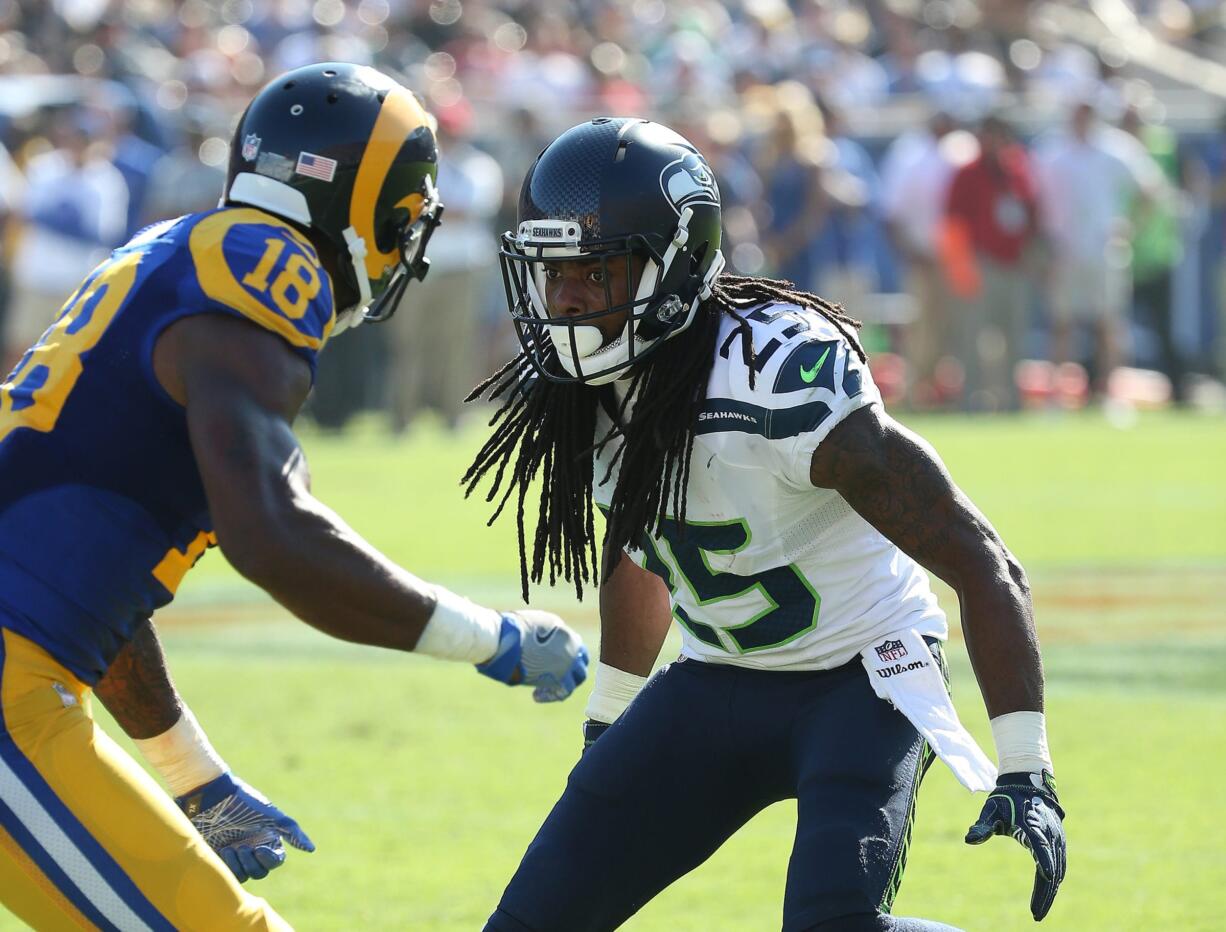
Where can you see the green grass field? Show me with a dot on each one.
(422, 783)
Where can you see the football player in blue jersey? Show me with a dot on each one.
(756, 491)
(153, 420)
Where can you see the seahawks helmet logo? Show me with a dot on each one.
(689, 180)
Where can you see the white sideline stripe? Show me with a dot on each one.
(26, 806)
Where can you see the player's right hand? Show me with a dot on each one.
(537, 649)
(242, 826)
(1024, 805)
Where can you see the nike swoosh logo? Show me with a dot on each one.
(542, 637)
(808, 375)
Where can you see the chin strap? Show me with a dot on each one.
(708, 281)
(350, 317)
(357, 256)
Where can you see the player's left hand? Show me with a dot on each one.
(242, 826)
(537, 649)
(1024, 805)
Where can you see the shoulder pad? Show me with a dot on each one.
(807, 378)
(261, 268)
(795, 349)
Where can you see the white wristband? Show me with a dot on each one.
(459, 630)
(1021, 742)
(182, 755)
(612, 691)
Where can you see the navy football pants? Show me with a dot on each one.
(700, 751)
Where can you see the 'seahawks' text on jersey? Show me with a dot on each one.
(770, 571)
(102, 509)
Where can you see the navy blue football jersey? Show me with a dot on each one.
(102, 508)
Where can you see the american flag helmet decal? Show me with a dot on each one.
(315, 166)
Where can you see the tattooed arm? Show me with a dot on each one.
(137, 690)
(897, 483)
(236, 821)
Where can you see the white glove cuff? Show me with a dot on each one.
(1021, 742)
(612, 691)
(459, 630)
(182, 755)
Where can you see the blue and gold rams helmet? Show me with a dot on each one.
(345, 151)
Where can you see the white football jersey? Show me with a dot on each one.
(772, 572)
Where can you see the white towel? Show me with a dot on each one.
(904, 672)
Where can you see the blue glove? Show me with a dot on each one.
(243, 827)
(1024, 805)
(536, 649)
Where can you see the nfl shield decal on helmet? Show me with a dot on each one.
(689, 180)
(251, 147)
(891, 650)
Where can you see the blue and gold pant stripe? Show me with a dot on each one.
(43, 871)
(88, 840)
(50, 909)
(52, 837)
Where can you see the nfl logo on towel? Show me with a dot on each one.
(315, 166)
(891, 650)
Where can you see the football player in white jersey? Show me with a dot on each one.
(756, 491)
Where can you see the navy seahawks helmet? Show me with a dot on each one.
(608, 188)
(344, 150)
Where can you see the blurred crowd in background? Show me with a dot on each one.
(1025, 202)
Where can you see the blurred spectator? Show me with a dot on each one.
(135, 158)
(350, 376)
(720, 70)
(1067, 71)
(720, 137)
(967, 82)
(690, 74)
(1157, 248)
(516, 150)
(991, 227)
(901, 56)
(855, 232)
(435, 351)
(183, 182)
(74, 211)
(915, 177)
(549, 68)
(835, 65)
(1089, 175)
(1212, 278)
(788, 160)
(12, 184)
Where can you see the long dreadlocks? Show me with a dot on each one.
(547, 430)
